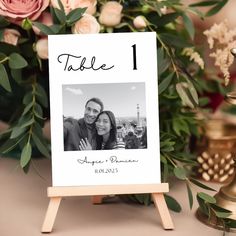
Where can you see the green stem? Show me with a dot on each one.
(3, 60)
(171, 161)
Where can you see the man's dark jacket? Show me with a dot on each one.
(74, 132)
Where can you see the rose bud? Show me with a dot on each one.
(140, 22)
(42, 48)
(111, 14)
(10, 36)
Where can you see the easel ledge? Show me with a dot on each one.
(98, 191)
(107, 190)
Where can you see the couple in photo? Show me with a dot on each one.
(95, 131)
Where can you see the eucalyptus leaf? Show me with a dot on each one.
(42, 148)
(216, 8)
(181, 90)
(204, 3)
(163, 62)
(17, 131)
(180, 125)
(163, 159)
(206, 197)
(16, 75)
(26, 155)
(172, 203)
(7, 48)
(28, 107)
(38, 111)
(203, 207)
(75, 15)
(44, 28)
(190, 196)
(27, 123)
(174, 40)
(166, 19)
(37, 129)
(220, 209)
(231, 223)
(180, 173)
(4, 81)
(201, 185)
(8, 146)
(28, 98)
(16, 61)
(193, 92)
(189, 25)
(165, 173)
(61, 5)
(165, 83)
(41, 95)
(3, 56)
(222, 214)
(61, 16)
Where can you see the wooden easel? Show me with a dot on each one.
(97, 192)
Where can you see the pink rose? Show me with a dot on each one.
(42, 48)
(111, 14)
(17, 10)
(140, 22)
(69, 5)
(45, 19)
(10, 36)
(86, 25)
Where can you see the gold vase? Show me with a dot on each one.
(216, 152)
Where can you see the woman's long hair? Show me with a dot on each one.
(113, 132)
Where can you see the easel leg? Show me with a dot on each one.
(97, 199)
(160, 204)
(51, 214)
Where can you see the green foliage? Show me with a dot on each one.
(172, 203)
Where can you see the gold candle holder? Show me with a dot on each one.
(215, 158)
(226, 197)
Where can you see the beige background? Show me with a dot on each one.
(23, 203)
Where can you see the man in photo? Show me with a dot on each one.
(84, 128)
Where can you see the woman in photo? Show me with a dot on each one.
(106, 133)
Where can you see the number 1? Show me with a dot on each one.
(134, 57)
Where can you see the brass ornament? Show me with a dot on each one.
(226, 197)
(216, 156)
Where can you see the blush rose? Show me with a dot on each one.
(17, 10)
(86, 25)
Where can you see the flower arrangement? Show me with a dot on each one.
(222, 39)
(24, 26)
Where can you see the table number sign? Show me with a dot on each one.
(104, 118)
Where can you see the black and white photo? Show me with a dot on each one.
(104, 116)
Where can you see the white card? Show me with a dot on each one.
(121, 71)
